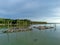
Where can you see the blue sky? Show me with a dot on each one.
(36, 10)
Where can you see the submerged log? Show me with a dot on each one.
(43, 27)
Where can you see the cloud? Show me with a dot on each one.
(48, 19)
(31, 9)
(56, 11)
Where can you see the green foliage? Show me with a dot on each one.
(24, 23)
(19, 22)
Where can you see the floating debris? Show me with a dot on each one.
(17, 30)
(43, 27)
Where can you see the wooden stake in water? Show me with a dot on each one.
(8, 25)
(55, 28)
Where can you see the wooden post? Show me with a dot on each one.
(19, 24)
(50, 26)
(8, 33)
(55, 28)
(8, 25)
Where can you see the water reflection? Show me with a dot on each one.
(7, 36)
(35, 37)
(35, 40)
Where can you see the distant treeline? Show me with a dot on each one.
(19, 21)
(15, 22)
(35, 22)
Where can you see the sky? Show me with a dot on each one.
(35, 10)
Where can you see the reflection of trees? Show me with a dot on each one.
(24, 23)
(19, 22)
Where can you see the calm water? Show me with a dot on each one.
(34, 37)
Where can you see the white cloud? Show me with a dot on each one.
(11, 6)
(48, 19)
(37, 7)
(32, 5)
(56, 11)
(13, 2)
